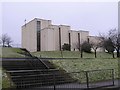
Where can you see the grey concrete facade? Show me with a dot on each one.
(41, 35)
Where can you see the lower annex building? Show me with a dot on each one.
(41, 35)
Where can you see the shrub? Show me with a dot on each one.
(66, 47)
(86, 47)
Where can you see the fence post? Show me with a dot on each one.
(87, 79)
(54, 81)
(113, 77)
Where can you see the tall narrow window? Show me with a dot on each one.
(38, 37)
(60, 38)
(79, 41)
(88, 40)
(70, 41)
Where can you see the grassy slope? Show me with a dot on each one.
(89, 64)
(68, 54)
(11, 52)
(103, 61)
(86, 64)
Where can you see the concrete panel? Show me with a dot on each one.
(56, 36)
(83, 36)
(74, 40)
(47, 39)
(64, 34)
(44, 23)
(29, 36)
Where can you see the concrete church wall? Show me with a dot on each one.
(51, 37)
(83, 36)
(29, 36)
(56, 36)
(74, 40)
(64, 34)
(47, 39)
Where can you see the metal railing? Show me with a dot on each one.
(99, 78)
(27, 53)
(56, 80)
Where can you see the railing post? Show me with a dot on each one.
(54, 81)
(87, 79)
(113, 77)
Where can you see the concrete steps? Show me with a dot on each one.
(33, 73)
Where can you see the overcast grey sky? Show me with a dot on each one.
(94, 17)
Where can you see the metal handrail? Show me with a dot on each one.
(91, 70)
(33, 70)
(37, 59)
(42, 62)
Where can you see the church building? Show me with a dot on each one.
(42, 35)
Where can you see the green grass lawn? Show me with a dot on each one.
(70, 54)
(88, 62)
(85, 64)
(11, 52)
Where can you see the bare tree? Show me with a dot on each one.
(3, 39)
(114, 41)
(79, 47)
(8, 41)
(114, 35)
(95, 44)
(107, 44)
